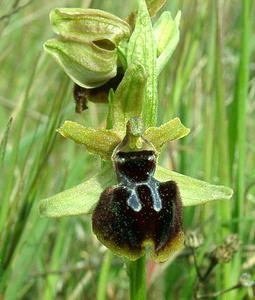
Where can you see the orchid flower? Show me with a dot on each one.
(136, 205)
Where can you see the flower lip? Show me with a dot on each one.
(139, 211)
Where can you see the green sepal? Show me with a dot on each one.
(194, 191)
(87, 65)
(98, 141)
(78, 200)
(127, 101)
(89, 25)
(166, 31)
(172, 130)
(142, 49)
(82, 198)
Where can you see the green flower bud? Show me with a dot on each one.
(166, 31)
(86, 46)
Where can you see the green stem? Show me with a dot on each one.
(223, 209)
(137, 278)
(104, 276)
(240, 100)
(242, 95)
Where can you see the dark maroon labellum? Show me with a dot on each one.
(140, 211)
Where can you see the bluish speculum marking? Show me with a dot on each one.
(134, 170)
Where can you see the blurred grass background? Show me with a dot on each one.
(209, 83)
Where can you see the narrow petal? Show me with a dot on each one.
(101, 142)
(78, 200)
(172, 130)
(194, 191)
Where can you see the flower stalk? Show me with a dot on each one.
(137, 278)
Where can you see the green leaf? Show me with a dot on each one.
(127, 101)
(89, 25)
(194, 191)
(166, 31)
(172, 130)
(3, 142)
(87, 65)
(78, 200)
(27, 246)
(101, 141)
(142, 49)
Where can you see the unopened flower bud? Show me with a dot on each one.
(193, 239)
(86, 47)
(246, 280)
(225, 252)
